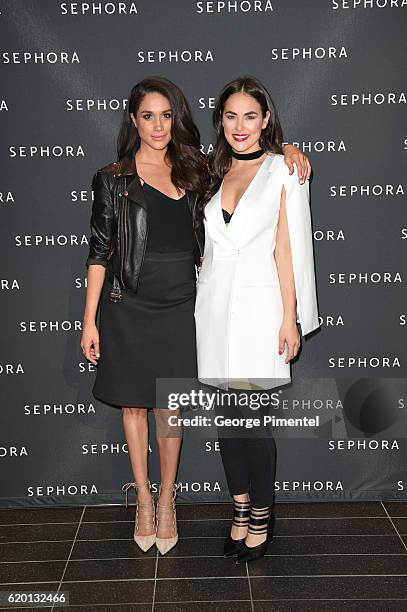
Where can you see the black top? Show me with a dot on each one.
(226, 215)
(169, 222)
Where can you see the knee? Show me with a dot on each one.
(139, 414)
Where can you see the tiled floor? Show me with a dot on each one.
(330, 557)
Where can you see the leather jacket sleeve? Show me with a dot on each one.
(102, 221)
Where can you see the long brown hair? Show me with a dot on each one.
(189, 165)
(271, 137)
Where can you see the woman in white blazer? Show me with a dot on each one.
(256, 282)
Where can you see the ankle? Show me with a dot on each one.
(241, 498)
(258, 521)
(142, 490)
(167, 493)
(240, 522)
(144, 494)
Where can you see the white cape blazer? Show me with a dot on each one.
(239, 308)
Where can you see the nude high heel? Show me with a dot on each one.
(165, 544)
(145, 542)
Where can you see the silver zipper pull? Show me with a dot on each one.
(116, 292)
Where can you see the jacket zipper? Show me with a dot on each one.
(144, 252)
(123, 232)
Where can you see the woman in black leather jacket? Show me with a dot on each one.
(143, 253)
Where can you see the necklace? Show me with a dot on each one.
(254, 155)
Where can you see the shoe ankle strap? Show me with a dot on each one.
(241, 505)
(174, 488)
(241, 512)
(259, 520)
(136, 486)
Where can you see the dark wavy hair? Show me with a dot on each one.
(271, 137)
(189, 165)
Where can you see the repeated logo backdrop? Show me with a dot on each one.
(336, 70)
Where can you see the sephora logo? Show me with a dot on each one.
(11, 368)
(13, 451)
(363, 445)
(320, 146)
(29, 57)
(329, 235)
(61, 489)
(104, 449)
(98, 8)
(86, 367)
(50, 240)
(186, 56)
(50, 326)
(58, 409)
(308, 485)
(80, 283)
(242, 6)
(352, 361)
(9, 285)
(331, 320)
(212, 446)
(367, 4)
(368, 98)
(47, 151)
(343, 191)
(82, 195)
(6, 197)
(307, 53)
(365, 278)
(90, 104)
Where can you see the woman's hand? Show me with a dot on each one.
(293, 155)
(289, 333)
(90, 342)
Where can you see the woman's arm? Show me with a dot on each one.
(90, 335)
(282, 254)
(293, 155)
(101, 224)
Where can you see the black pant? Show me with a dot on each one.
(248, 455)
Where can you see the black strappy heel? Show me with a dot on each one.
(261, 521)
(241, 511)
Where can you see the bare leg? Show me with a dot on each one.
(169, 440)
(135, 425)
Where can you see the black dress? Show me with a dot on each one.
(151, 334)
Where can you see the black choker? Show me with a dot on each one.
(253, 155)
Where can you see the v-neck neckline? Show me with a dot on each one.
(162, 193)
(243, 194)
(143, 182)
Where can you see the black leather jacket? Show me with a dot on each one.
(119, 225)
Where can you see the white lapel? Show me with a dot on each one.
(244, 210)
